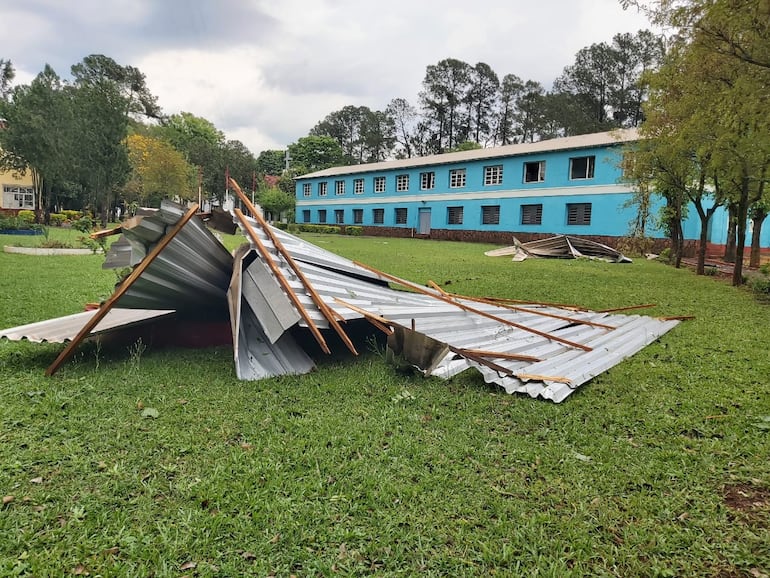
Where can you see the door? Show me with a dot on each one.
(423, 222)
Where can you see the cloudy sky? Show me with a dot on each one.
(266, 71)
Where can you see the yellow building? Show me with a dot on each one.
(17, 191)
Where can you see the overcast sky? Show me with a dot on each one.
(266, 71)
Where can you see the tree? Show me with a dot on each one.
(481, 98)
(445, 89)
(605, 80)
(364, 135)
(201, 143)
(402, 115)
(511, 90)
(275, 202)
(7, 74)
(105, 97)
(271, 162)
(38, 135)
(315, 153)
(714, 106)
(158, 171)
(128, 81)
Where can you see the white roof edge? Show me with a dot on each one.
(617, 136)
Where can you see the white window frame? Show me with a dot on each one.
(322, 188)
(358, 186)
(540, 172)
(590, 168)
(457, 178)
(379, 184)
(339, 188)
(307, 189)
(493, 175)
(427, 181)
(402, 183)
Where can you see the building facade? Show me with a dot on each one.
(572, 186)
(16, 191)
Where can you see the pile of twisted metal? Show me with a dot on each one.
(277, 289)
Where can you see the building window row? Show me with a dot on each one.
(530, 214)
(580, 168)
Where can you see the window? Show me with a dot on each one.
(306, 216)
(427, 181)
(378, 216)
(455, 215)
(339, 187)
(490, 214)
(532, 214)
(358, 216)
(379, 184)
(401, 216)
(493, 175)
(456, 178)
(582, 167)
(358, 186)
(322, 189)
(402, 183)
(339, 216)
(322, 215)
(578, 213)
(534, 172)
(306, 189)
(16, 197)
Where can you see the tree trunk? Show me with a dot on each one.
(742, 210)
(731, 232)
(757, 219)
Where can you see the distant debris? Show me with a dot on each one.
(561, 247)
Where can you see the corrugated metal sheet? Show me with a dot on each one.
(190, 275)
(570, 347)
(63, 329)
(255, 354)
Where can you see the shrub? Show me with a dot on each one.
(760, 285)
(26, 217)
(635, 245)
(71, 215)
(9, 223)
(281, 225)
(84, 224)
(354, 231)
(57, 219)
(765, 269)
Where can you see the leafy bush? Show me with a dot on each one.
(71, 215)
(280, 225)
(765, 269)
(635, 245)
(8, 223)
(57, 219)
(354, 231)
(760, 285)
(26, 217)
(84, 224)
(326, 229)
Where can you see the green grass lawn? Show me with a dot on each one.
(659, 467)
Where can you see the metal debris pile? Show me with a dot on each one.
(278, 289)
(560, 247)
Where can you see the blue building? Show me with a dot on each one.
(572, 185)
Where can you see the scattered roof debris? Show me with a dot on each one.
(561, 247)
(278, 291)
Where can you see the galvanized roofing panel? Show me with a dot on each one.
(190, 275)
(565, 143)
(63, 329)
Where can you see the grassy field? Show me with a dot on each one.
(659, 467)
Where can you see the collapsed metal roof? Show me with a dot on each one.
(561, 247)
(279, 287)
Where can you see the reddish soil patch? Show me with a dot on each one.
(752, 503)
